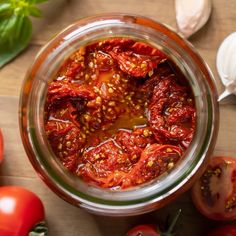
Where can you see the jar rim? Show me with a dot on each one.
(32, 134)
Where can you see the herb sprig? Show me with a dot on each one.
(16, 26)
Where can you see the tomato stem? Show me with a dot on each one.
(172, 225)
(40, 229)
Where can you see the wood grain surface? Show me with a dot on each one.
(67, 220)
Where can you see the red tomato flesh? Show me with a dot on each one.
(20, 210)
(214, 194)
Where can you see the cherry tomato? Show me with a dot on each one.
(1, 146)
(214, 194)
(152, 230)
(20, 211)
(143, 230)
(224, 230)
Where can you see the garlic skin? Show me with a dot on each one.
(226, 65)
(191, 15)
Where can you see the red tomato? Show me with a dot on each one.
(224, 230)
(143, 230)
(152, 230)
(1, 146)
(20, 211)
(214, 194)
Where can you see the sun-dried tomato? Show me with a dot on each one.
(133, 142)
(135, 64)
(138, 60)
(66, 140)
(108, 157)
(70, 162)
(118, 44)
(74, 66)
(172, 112)
(112, 129)
(134, 58)
(164, 70)
(59, 90)
(101, 162)
(104, 61)
(155, 160)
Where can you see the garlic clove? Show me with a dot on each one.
(191, 15)
(226, 66)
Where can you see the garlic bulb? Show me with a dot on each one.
(226, 65)
(191, 15)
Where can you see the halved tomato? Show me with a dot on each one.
(214, 194)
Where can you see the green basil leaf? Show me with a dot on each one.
(7, 28)
(17, 41)
(15, 26)
(5, 9)
(34, 11)
(19, 26)
(20, 11)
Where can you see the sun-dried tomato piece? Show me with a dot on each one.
(155, 160)
(164, 70)
(74, 65)
(66, 140)
(133, 142)
(112, 180)
(73, 69)
(138, 60)
(59, 89)
(181, 115)
(70, 162)
(104, 61)
(172, 112)
(64, 111)
(102, 161)
(118, 44)
(135, 64)
(134, 58)
(107, 157)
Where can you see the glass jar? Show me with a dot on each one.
(146, 197)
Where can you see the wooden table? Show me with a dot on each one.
(67, 220)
